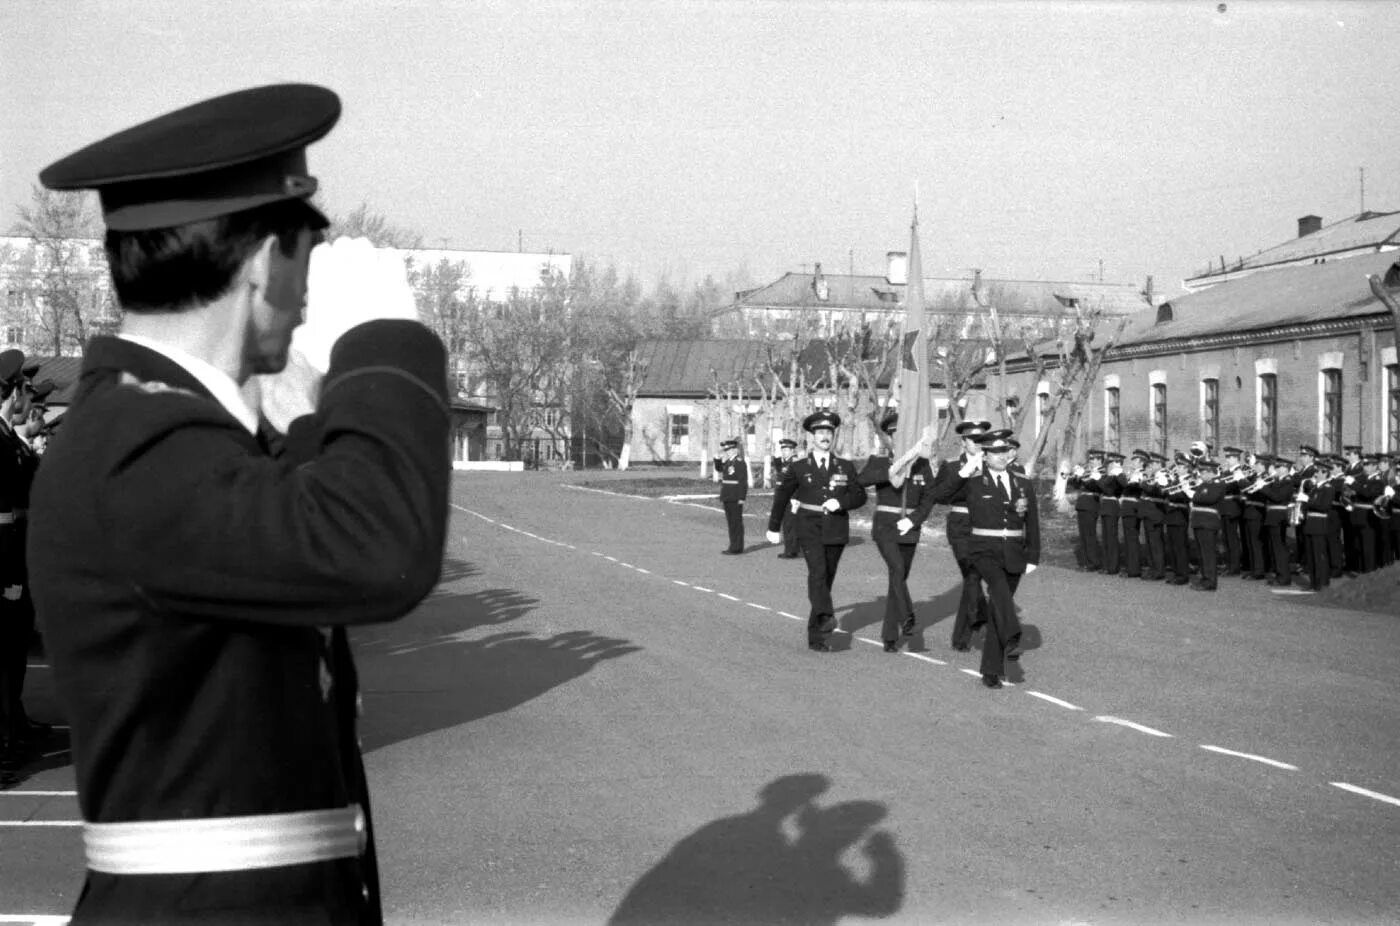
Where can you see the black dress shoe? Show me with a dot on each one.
(908, 628)
(787, 556)
(891, 646)
(819, 647)
(731, 552)
(1179, 580)
(962, 647)
(991, 681)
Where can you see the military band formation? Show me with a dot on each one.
(1152, 518)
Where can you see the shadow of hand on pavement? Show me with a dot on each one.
(782, 862)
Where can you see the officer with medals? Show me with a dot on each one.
(903, 500)
(972, 602)
(1004, 544)
(194, 579)
(787, 455)
(733, 472)
(826, 488)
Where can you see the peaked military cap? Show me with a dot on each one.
(11, 365)
(1309, 449)
(964, 428)
(994, 442)
(30, 368)
(1144, 455)
(1232, 451)
(1280, 461)
(821, 420)
(1351, 448)
(220, 156)
(1113, 457)
(1015, 444)
(787, 442)
(998, 434)
(730, 444)
(890, 423)
(43, 389)
(1208, 463)
(1095, 453)
(1159, 457)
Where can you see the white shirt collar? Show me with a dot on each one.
(220, 385)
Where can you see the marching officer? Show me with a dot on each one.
(903, 500)
(733, 472)
(194, 581)
(826, 488)
(787, 454)
(1005, 545)
(972, 602)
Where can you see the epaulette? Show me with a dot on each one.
(155, 387)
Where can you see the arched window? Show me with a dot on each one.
(1164, 313)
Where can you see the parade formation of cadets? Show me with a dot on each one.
(1233, 517)
(23, 434)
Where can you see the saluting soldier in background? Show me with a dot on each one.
(733, 472)
(787, 454)
(972, 602)
(826, 488)
(194, 587)
(903, 500)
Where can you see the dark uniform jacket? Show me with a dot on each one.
(1088, 489)
(733, 479)
(1205, 504)
(990, 509)
(193, 591)
(914, 498)
(811, 487)
(18, 464)
(1317, 509)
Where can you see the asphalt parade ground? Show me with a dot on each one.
(597, 718)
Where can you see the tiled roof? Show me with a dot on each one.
(64, 372)
(863, 292)
(1298, 295)
(682, 368)
(1366, 229)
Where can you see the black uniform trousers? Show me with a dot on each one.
(1132, 551)
(1110, 540)
(1179, 556)
(972, 603)
(16, 635)
(734, 517)
(1091, 558)
(1230, 527)
(1336, 552)
(789, 530)
(1206, 540)
(1319, 563)
(899, 605)
(1155, 537)
(1252, 533)
(822, 560)
(1004, 628)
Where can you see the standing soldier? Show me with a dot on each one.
(1005, 545)
(733, 472)
(787, 455)
(1232, 507)
(1177, 494)
(1110, 489)
(1205, 523)
(1304, 470)
(1278, 501)
(826, 488)
(1130, 508)
(972, 602)
(1352, 521)
(1366, 495)
(1392, 482)
(1085, 479)
(1316, 495)
(1338, 516)
(903, 499)
(1150, 514)
(1253, 505)
(194, 581)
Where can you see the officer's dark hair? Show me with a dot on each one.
(176, 268)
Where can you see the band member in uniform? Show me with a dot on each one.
(1084, 480)
(903, 499)
(787, 454)
(1205, 523)
(1129, 514)
(1315, 495)
(1231, 507)
(733, 472)
(1110, 488)
(1175, 521)
(1253, 505)
(1304, 470)
(1338, 516)
(1151, 513)
(1278, 501)
(972, 602)
(193, 586)
(1366, 493)
(1005, 545)
(827, 489)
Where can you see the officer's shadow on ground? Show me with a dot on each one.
(784, 861)
(440, 667)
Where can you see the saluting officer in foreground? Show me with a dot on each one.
(193, 586)
(826, 488)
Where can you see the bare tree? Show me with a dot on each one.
(66, 265)
(364, 222)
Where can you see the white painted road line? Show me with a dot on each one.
(1132, 726)
(41, 822)
(605, 492)
(937, 662)
(35, 919)
(1045, 697)
(793, 616)
(1365, 793)
(727, 597)
(973, 672)
(679, 582)
(38, 793)
(701, 588)
(761, 607)
(1253, 758)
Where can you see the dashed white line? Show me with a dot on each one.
(937, 662)
(727, 597)
(701, 588)
(41, 822)
(793, 616)
(761, 607)
(1133, 726)
(972, 672)
(38, 793)
(679, 582)
(1045, 697)
(645, 572)
(1251, 757)
(1366, 793)
(611, 559)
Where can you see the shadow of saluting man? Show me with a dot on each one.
(746, 869)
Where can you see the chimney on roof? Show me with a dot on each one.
(897, 268)
(1308, 224)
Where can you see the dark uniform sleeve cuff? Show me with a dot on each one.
(407, 346)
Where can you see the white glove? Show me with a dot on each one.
(1388, 492)
(904, 525)
(350, 282)
(1030, 567)
(1302, 499)
(13, 592)
(794, 506)
(970, 468)
(1350, 480)
(1078, 471)
(773, 537)
(284, 397)
(831, 504)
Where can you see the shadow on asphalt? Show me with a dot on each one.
(432, 670)
(778, 863)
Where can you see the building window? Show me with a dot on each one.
(1159, 417)
(14, 335)
(1112, 433)
(1392, 408)
(1331, 437)
(680, 429)
(750, 423)
(1210, 413)
(1268, 412)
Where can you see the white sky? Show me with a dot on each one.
(696, 137)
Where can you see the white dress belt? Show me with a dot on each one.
(890, 509)
(149, 847)
(993, 532)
